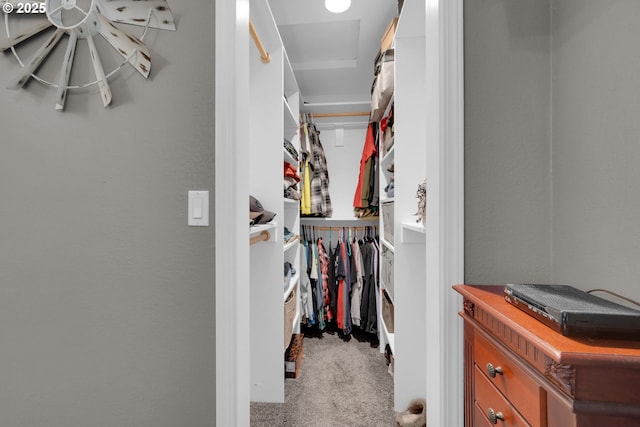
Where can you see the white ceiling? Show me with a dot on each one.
(332, 55)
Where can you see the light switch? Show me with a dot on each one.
(198, 209)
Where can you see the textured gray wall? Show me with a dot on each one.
(507, 150)
(596, 145)
(552, 152)
(106, 296)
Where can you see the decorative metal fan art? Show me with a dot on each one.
(84, 20)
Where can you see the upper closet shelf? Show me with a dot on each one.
(349, 221)
(291, 285)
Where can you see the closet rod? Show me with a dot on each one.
(264, 55)
(354, 113)
(321, 228)
(264, 235)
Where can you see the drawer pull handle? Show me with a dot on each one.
(494, 416)
(493, 370)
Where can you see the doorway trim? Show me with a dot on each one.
(231, 203)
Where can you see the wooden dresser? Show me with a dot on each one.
(519, 372)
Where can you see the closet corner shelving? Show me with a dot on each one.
(274, 115)
(403, 275)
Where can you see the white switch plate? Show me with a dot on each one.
(198, 214)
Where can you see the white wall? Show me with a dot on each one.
(107, 297)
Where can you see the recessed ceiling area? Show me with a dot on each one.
(336, 49)
(333, 55)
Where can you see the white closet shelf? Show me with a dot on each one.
(291, 202)
(383, 287)
(289, 158)
(387, 244)
(346, 221)
(296, 319)
(290, 120)
(292, 284)
(413, 232)
(291, 244)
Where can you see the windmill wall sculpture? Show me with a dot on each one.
(83, 20)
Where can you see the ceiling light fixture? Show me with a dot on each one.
(337, 6)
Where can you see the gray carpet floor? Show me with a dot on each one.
(341, 384)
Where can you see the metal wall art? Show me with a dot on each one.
(83, 20)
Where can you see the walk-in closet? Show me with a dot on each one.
(345, 182)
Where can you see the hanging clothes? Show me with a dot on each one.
(305, 201)
(319, 292)
(343, 277)
(366, 197)
(357, 273)
(368, 309)
(306, 293)
(316, 199)
(323, 259)
(343, 282)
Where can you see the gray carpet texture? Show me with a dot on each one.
(342, 383)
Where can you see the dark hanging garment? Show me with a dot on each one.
(345, 290)
(368, 153)
(333, 285)
(368, 314)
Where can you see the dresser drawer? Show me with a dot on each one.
(514, 382)
(480, 418)
(489, 398)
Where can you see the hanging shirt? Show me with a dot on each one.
(323, 259)
(320, 197)
(343, 277)
(356, 286)
(368, 152)
(306, 294)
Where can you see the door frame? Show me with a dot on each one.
(444, 395)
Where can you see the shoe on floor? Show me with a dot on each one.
(414, 416)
